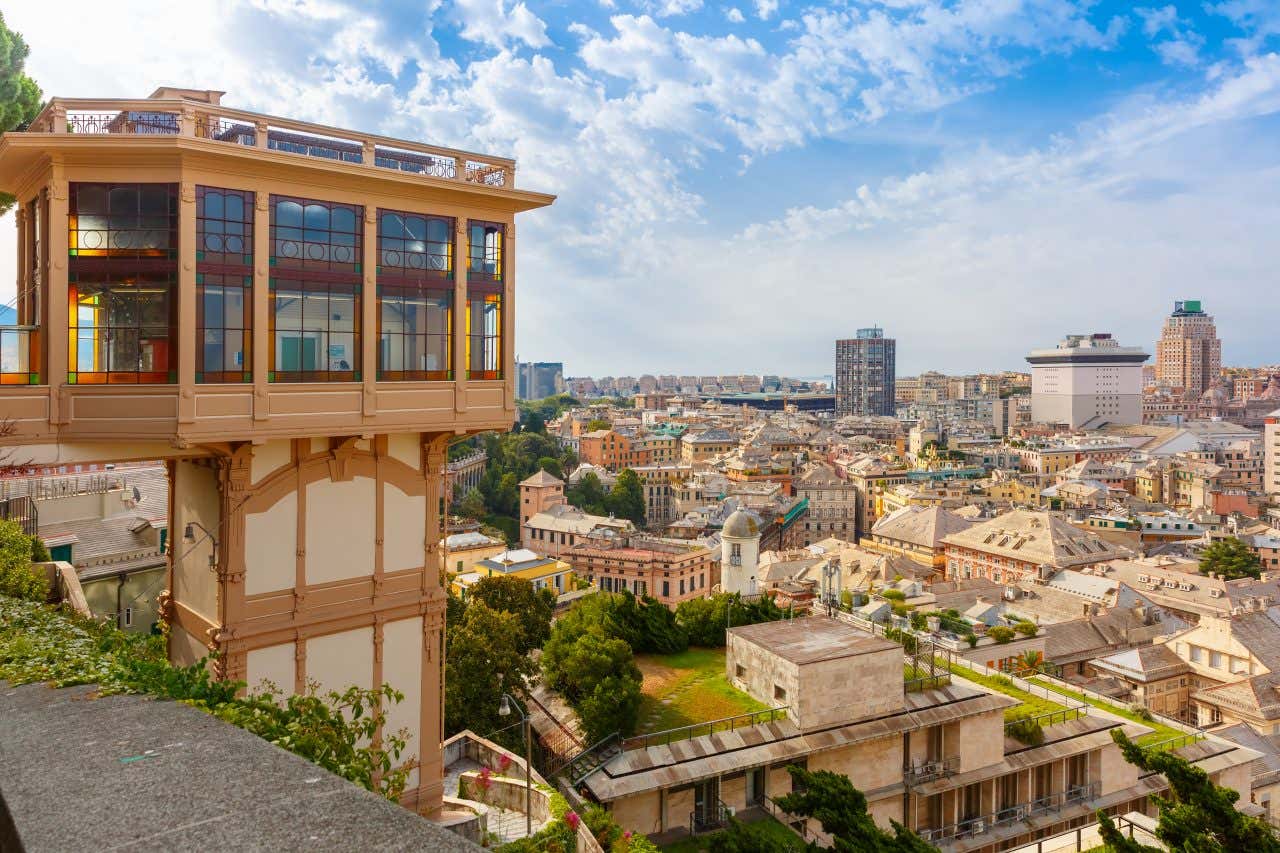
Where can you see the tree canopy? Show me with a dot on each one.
(705, 619)
(484, 658)
(831, 799)
(532, 607)
(1196, 815)
(1231, 558)
(19, 94)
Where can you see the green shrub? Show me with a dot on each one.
(1000, 634)
(1026, 628)
(18, 579)
(894, 595)
(972, 639)
(334, 730)
(1025, 730)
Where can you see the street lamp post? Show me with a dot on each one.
(504, 710)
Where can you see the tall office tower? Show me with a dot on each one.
(1087, 380)
(1188, 354)
(297, 320)
(538, 379)
(865, 374)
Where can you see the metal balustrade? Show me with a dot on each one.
(1009, 815)
(177, 117)
(724, 724)
(926, 771)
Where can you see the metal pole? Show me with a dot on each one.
(528, 786)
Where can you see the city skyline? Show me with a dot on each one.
(1147, 177)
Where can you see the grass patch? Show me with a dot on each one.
(1032, 705)
(1159, 732)
(767, 831)
(687, 688)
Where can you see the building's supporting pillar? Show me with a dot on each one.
(461, 265)
(187, 332)
(55, 327)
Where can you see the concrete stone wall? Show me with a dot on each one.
(839, 691)
(978, 740)
(760, 673)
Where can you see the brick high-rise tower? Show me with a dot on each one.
(1188, 354)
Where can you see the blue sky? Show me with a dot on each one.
(742, 182)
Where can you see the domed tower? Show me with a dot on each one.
(739, 553)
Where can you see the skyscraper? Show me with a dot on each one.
(538, 379)
(865, 368)
(1188, 354)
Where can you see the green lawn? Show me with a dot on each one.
(1160, 731)
(1031, 704)
(686, 688)
(763, 829)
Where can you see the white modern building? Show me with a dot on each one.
(1087, 380)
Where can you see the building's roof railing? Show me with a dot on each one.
(216, 123)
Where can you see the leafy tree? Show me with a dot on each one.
(484, 658)
(1196, 815)
(626, 498)
(518, 597)
(596, 424)
(19, 94)
(612, 706)
(17, 577)
(841, 808)
(705, 619)
(472, 504)
(740, 837)
(1231, 558)
(551, 466)
(587, 494)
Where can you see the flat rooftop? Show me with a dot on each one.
(82, 773)
(812, 639)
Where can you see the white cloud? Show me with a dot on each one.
(735, 16)
(1173, 39)
(766, 8)
(669, 8)
(491, 22)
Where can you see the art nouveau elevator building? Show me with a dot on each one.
(298, 319)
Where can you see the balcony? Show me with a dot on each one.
(926, 771)
(1010, 815)
(179, 117)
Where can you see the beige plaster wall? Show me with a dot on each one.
(338, 661)
(404, 529)
(195, 491)
(340, 529)
(274, 664)
(406, 447)
(184, 649)
(402, 669)
(268, 457)
(271, 549)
